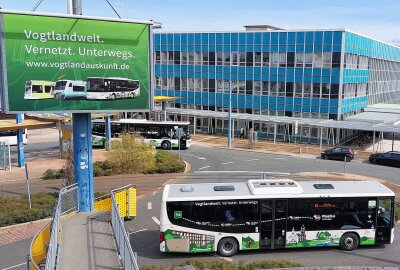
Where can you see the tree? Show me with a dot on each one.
(68, 168)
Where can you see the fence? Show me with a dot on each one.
(49, 237)
(5, 156)
(128, 257)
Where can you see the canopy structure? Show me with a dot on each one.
(321, 123)
(29, 123)
(159, 99)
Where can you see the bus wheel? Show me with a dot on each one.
(349, 241)
(132, 95)
(166, 145)
(227, 247)
(113, 97)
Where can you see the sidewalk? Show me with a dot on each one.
(292, 149)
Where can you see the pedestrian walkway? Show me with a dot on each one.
(87, 243)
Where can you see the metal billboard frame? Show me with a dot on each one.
(3, 72)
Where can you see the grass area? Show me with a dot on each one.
(14, 210)
(219, 264)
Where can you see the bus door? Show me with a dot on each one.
(385, 221)
(273, 224)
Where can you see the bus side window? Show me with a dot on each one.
(47, 89)
(37, 89)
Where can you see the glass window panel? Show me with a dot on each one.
(317, 60)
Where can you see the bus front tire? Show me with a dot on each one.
(227, 247)
(166, 145)
(349, 241)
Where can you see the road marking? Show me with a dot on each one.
(230, 162)
(253, 159)
(142, 230)
(11, 267)
(194, 156)
(280, 158)
(168, 182)
(154, 193)
(205, 167)
(149, 206)
(156, 220)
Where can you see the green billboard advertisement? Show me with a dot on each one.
(74, 64)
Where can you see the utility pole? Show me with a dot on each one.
(230, 117)
(82, 143)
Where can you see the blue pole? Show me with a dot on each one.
(20, 143)
(230, 117)
(108, 132)
(83, 163)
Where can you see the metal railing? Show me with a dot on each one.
(128, 257)
(66, 203)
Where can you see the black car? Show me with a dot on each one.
(391, 158)
(339, 153)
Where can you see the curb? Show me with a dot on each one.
(188, 167)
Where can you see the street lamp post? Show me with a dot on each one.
(230, 117)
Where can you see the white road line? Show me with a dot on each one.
(280, 158)
(205, 167)
(142, 230)
(253, 159)
(154, 193)
(156, 220)
(11, 267)
(168, 182)
(149, 206)
(230, 162)
(194, 156)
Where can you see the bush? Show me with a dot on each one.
(167, 162)
(52, 174)
(131, 155)
(14, 210)
(266, 264)
(219, 264)
(102, 168)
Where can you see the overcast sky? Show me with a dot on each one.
(378, 19)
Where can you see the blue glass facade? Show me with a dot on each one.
(313, 74)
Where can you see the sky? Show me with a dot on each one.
(378, 19)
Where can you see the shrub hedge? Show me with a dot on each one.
(14, 210)
(219, 264)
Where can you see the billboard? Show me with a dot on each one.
(75, 64)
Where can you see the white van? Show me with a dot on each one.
(67, 89)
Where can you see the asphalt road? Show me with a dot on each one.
(145, 231)
(222, 159)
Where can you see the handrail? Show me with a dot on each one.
(127, 255)
(33, 242)
(65, 203)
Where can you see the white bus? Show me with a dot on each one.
(112, 88)
(10, 136)
(68, 89)
(165, 135)
(271, 214)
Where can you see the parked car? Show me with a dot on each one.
(339, 153)
(391, 158)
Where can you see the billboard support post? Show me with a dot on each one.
(20, 143)
(83, 162)
(82, 142)
(108, 133)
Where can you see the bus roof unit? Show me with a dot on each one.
(275, 188)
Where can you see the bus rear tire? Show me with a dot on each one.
(349, 241)
(227, 247)
(166, 145)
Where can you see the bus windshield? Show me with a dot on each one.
(60, 85)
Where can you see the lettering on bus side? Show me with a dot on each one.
(230, 216)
